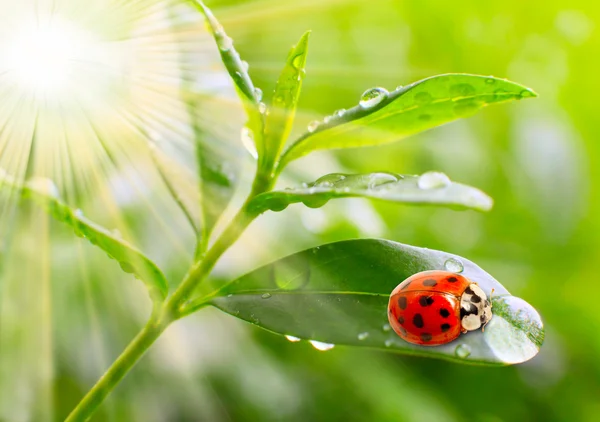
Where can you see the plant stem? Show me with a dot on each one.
(134, 351)
(170, 311)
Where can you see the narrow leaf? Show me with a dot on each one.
(338, 294)
(382, 118)
(238, 71)
(431, 188)
(44, 192)
(285, 99)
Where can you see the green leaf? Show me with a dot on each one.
(431, 188)
(406, 111)
(338, 294)
(238, 71)
(44, 192)
(285, 99)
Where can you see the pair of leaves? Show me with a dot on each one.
(43, 192)
(338, 294)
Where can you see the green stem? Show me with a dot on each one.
(171, 310)
(134, 351)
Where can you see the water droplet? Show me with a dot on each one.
(258, 94)
(340, 112)
(327, 119)
(490, 81)
(466, 107)
(454, 265)
(291, 273)
(461, 90)
(230, 295)
(379, 179)
(386, 327)
(44, 186)
(126, 267)
(247, 137)
(78, 213)
(423, 98)
(292, 338)
(433, 180)
(312, 126)
(399, 87)
(329, 180)
(363, 336)
(388, 342)
(321, 346)
(463, 351)
(297, 61)
(266, 295)
(526, 94)
(245, 65)
(262, 108)
(225, 43)
(315, 201)
(373, 96)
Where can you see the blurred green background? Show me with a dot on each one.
(538, 159)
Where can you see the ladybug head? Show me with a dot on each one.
(475, 308)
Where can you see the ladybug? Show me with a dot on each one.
(434, 307)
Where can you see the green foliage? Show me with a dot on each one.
(280, 118)
(428, 189)
(338, 294)
(422, 105)
(131, 260)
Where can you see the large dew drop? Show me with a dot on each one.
(321, 346)
(372, 97)
(225, 43)
(454, 265)
(463, 351)
(292, 338)
(363, 336)
(312, 126)
(433, 180)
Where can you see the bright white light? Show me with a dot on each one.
(44, 55)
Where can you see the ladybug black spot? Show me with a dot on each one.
(406, 285)
(445, 327)
(418, 321)
(401, 319)
(425, 300)
(402, 302)
(444, 313)
(471, 311)
(452, 279)
(426, 337)
(430, 282)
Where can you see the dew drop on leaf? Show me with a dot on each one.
(490, 81)
(363, 336)
(292, 338)
(266, 295)
(463, 351)
(321, 346)
(454, 265)
(247, 137)
(386, 327)
(262, 108)
(327, 119)
(433, 180)
(312, 126)
(340, 112)
(225, 43)
(258, 94)
(388, 342)
(245, 65)
(373, 96)
(328, 180)
(78, 213)
(379, 179)
(423, 98)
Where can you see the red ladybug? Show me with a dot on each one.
(434, 307)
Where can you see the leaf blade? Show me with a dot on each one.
(417, 107)
(279, 121)
(131, 260)
(380, 186)
(338, 294)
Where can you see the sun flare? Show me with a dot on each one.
(45, 55)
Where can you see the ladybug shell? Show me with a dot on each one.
(425, 308)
